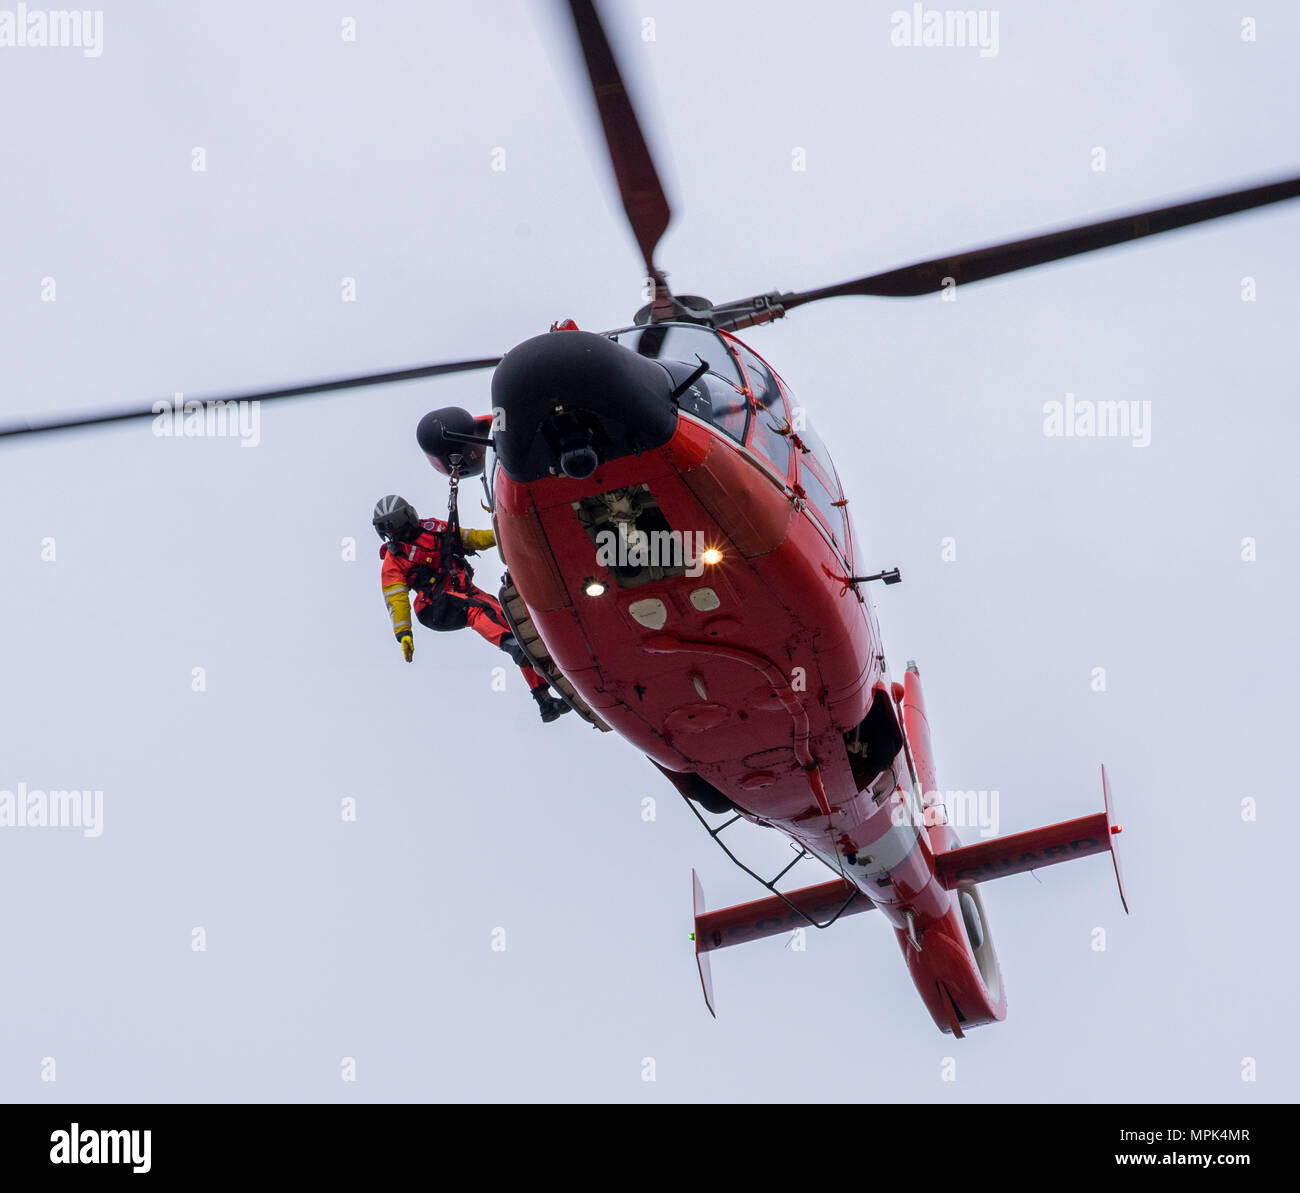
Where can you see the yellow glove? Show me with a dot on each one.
(477, 540)
(408, 647)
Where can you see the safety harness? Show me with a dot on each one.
(449, 570)
(456, 571)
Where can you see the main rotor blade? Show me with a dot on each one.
(265, 395)
(634, 169)
(927, 277)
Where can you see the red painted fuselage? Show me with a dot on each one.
(755, 673)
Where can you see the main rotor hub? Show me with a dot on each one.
(731, 316)
(680, 308)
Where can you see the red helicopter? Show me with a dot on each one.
(682, 565)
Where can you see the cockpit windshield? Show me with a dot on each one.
(684, 342)
(689, 344)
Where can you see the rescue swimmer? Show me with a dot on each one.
(429, 556)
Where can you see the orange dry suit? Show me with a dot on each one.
(446, 598)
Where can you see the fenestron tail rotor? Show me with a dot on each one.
(72, 421)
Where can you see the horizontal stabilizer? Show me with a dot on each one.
(771, 917)
(1034, 849)
(1031, 850)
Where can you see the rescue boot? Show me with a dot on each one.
(510, 644)
(551, 707)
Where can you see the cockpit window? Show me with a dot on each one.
(823, 501)
(811, 444)
(690, 344)
(770, 433)
(684, 342)
(730, 409)
(817, 475)
(761, 382)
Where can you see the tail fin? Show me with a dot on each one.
(1113, 837)
(701, 949)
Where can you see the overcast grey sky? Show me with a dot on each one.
(372, 160)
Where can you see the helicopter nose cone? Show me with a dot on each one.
(568, 401)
